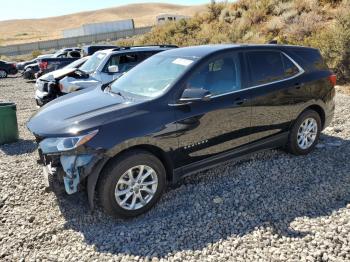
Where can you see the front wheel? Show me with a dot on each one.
(305, 133)
(131, 184)
(3, 73)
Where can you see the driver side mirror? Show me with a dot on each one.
(191, 95)
(113, 69)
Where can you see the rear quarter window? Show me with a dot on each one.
(309, 59)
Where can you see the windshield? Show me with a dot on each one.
(77, 63)
(152, 77)
(93, 62)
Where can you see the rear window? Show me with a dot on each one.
(265, 67)
(270, 66)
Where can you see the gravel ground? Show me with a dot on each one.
(270, 207)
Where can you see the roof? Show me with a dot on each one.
(204, 50)
(138, 49)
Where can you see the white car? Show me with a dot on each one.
(107, 65)
(47, 86)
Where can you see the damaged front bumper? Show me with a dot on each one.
(73, 169)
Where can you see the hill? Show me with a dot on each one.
(324, 24)
(29, 30)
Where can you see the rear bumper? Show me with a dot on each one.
(330, 108)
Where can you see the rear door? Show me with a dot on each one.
(276, 91)
(209, 128)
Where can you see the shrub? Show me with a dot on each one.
(301, 22)
(36, 53)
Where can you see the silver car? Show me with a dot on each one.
(105, 66)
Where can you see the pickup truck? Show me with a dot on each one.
(50, 64)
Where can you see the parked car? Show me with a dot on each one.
(107, 65)
(65, 51)
(47, 86)
(89, 50)
(182, 111)
(30, 71)
(7, 68)
(21, 65)
(55, 62)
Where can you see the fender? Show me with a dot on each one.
(92, 178)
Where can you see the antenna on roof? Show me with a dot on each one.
(272, 42)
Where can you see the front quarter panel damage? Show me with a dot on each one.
(76, 168)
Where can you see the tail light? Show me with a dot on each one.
(14, 65)
(333, 79)
(43, 65)
(60, 87)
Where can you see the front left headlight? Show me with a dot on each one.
(61, 144)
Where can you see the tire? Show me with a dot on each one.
(298, 147)
(3, 73)
(114, 177)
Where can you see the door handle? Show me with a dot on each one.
(240, 101)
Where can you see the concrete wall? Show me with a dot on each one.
(21, 49)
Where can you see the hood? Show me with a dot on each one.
(57, 74)
(78, 112)
(45, 56)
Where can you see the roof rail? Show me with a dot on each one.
(273, 42)
(130, 47)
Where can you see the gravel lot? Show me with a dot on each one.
(270, 207)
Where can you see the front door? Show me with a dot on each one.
(208, 128)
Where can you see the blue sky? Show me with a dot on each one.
(19, 9)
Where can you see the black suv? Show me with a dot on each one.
(181, 111)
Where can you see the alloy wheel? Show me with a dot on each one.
(136, 187)
(3, 74)
(307, 133)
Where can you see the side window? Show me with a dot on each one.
(114, 60)
(265, 67)
(218, 76)
(290, 69)
(124, 62)
(127, 61)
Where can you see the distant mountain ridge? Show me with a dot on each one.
(29, 30)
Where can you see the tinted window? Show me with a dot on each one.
(290, 69)
(219, 76)
(265, 67)
(310, 59)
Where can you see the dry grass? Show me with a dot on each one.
(29, 30)
(345, 89)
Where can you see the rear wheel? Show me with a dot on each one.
(3, 73)
(131, 184)
(305, 133)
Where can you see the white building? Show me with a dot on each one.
(98, 28)
(163, 18)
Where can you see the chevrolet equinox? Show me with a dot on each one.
(179, 112)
